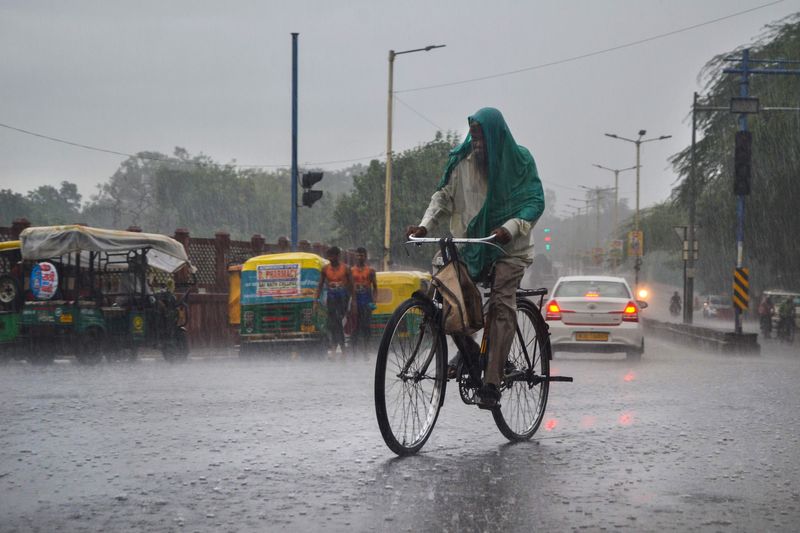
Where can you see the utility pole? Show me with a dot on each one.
(688, 283)
(387, 229)
(637, 265)
(616, 172)
(294, 141)
(745, 105)
(596, 191)
(574, 255)
(577, 234)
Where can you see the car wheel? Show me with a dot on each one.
(635, 354)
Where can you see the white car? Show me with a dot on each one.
(595, 314)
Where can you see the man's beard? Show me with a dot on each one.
(480, 158)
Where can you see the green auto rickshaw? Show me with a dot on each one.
(278, 303)
(94, 292)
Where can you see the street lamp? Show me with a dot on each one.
(616, 172)
(638, 142)
(388, 198)
(597, 191)
(574, 255)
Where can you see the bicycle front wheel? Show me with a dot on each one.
(410, 377)
(525, 385)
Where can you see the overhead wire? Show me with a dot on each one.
(420, 115)
(150, 157)
(590, 54)
(450, 84)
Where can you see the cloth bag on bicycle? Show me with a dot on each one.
(462, 306)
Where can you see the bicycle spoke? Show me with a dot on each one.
(409, 391)
(525, 394)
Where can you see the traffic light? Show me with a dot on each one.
(547, 240)
(310, 196)
(741, 163)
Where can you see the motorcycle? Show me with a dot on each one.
(766, 326)
(675, 307)
(785, 332)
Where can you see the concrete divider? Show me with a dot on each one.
(703, 338)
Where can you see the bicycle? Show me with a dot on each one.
(412, 365)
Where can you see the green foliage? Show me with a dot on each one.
(359, 215)
(770, 250)
(14, 205)
(161, 193)
(45, 204)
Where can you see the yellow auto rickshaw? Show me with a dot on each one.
(393, 289)
(10, 296)
(276, 295)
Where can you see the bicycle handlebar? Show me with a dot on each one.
(429, 240)
(421, 240)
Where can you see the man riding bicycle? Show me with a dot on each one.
(490, 186)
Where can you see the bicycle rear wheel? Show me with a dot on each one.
(525, 386)
(410, 377)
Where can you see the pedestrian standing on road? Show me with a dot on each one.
(490, 186)
(786, 319)
(336, 275)
(365, 293)
(765, 312)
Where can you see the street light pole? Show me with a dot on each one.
(586, 207)
(638, 142)
(616, 172)
(596, 191)
(574, 255)
(387, 230)
(387, 201)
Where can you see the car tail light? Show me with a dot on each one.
(631, 313)
(553, 311)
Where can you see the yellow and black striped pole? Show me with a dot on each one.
(741, 288)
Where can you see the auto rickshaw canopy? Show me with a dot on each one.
(396, 286)
(46, 242)
(272, 278)
(9, 245)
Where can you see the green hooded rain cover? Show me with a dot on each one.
(514, 188)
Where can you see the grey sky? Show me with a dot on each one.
(214, 77)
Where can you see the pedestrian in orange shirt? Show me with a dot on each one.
(365, 292)
(339, 280)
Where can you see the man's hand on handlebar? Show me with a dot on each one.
(501, 235)
(416, 231)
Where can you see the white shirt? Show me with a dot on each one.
(461, 200)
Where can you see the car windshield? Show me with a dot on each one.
(592, 289)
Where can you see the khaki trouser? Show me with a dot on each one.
(501, 320)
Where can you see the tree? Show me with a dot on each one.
(772, 254)
(128, 195)
(359, 215)
(49, 205)
(14, 205)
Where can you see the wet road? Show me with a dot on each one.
(680, 441)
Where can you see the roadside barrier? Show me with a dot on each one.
(704, 338)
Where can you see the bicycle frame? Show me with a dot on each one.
(524, 380)
(449, 254)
